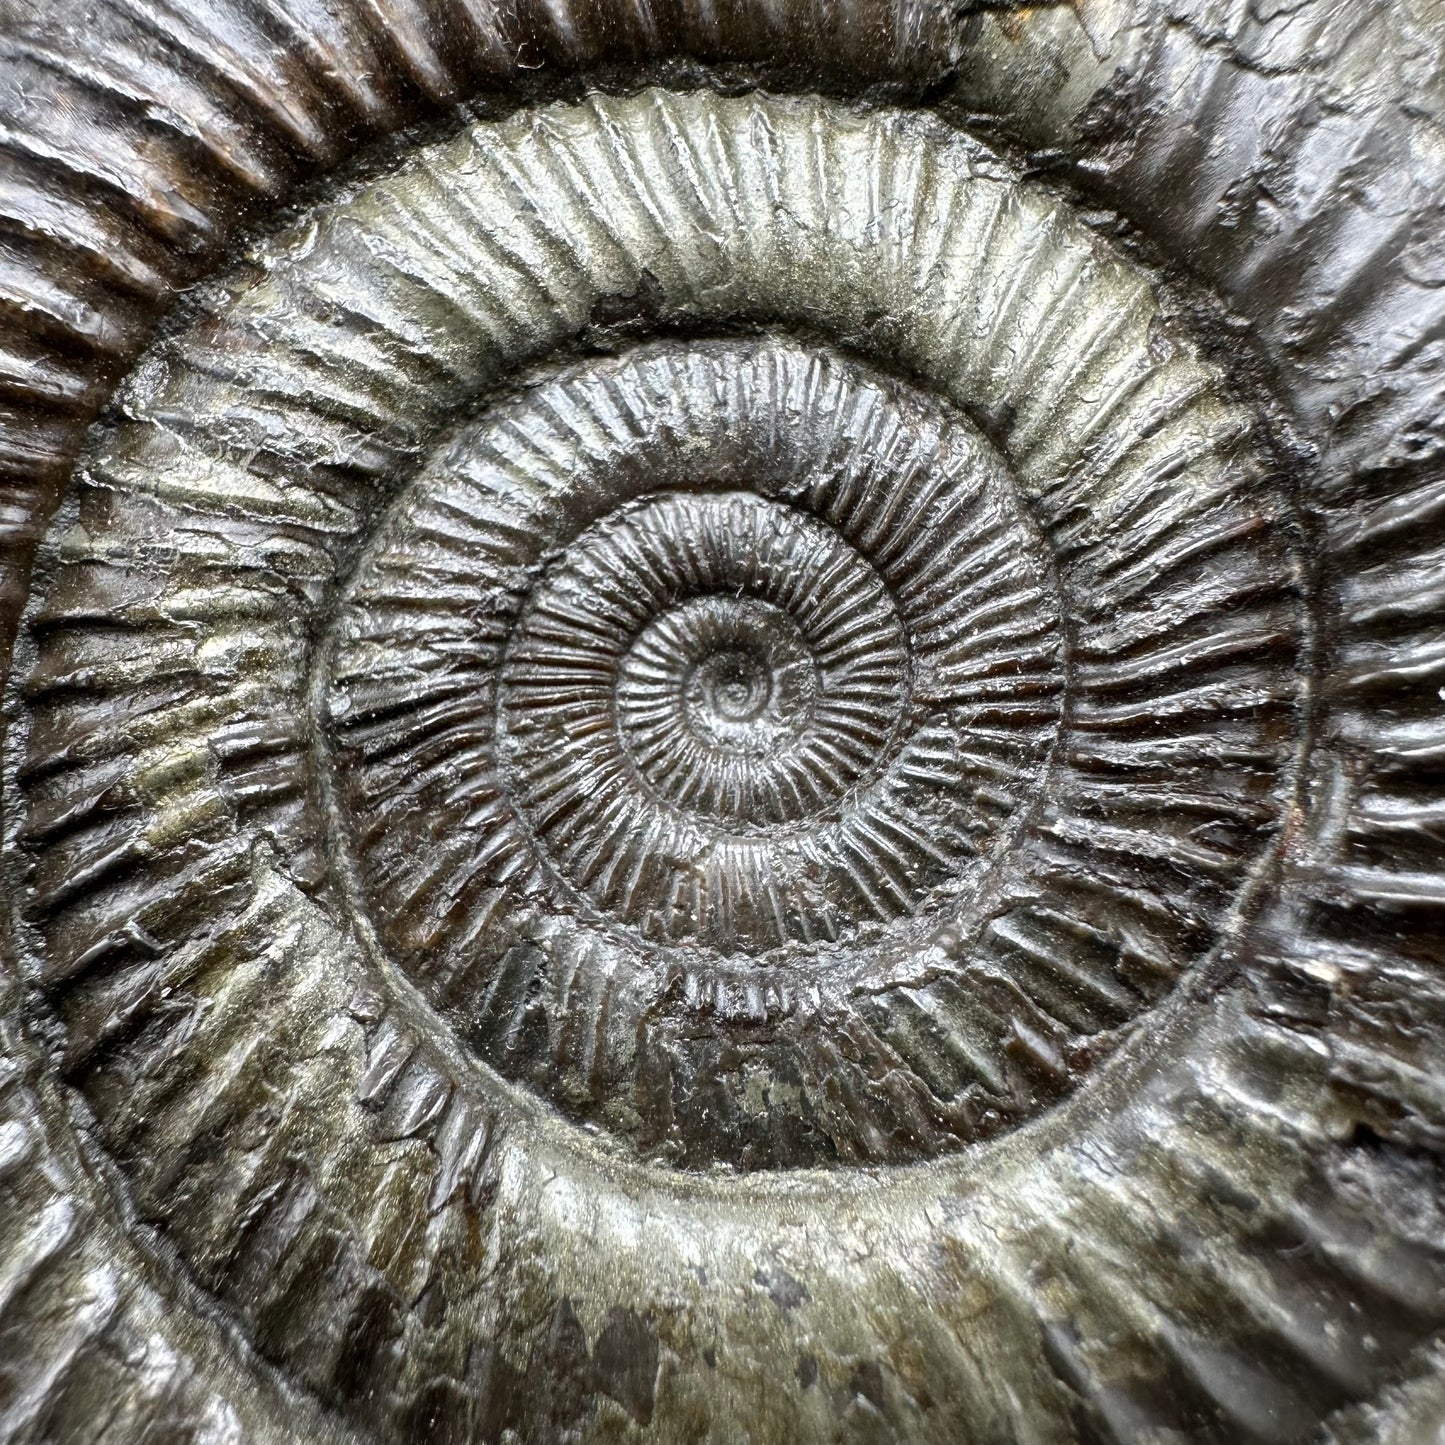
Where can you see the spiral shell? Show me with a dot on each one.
(738, 741)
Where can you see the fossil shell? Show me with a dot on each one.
(735, 732)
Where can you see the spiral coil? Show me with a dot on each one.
(692, 758)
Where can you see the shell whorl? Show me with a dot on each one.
(692, 761)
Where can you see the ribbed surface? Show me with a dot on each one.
(515, 748)
(88, 1347)
(1286, 154)
(1231, 1229)
(134, 138)
(277, 422)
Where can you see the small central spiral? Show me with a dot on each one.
(755, 666)
(753, 661)
(711, 697)
(727, 690)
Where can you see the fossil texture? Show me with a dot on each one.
(723, 722)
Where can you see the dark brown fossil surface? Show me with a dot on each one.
(724, 721)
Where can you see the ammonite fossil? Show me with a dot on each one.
(724, 721)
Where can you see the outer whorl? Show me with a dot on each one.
(723, 722)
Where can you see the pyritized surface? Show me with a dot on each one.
(1115, 588)
(701, 762)
(335, 1108)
